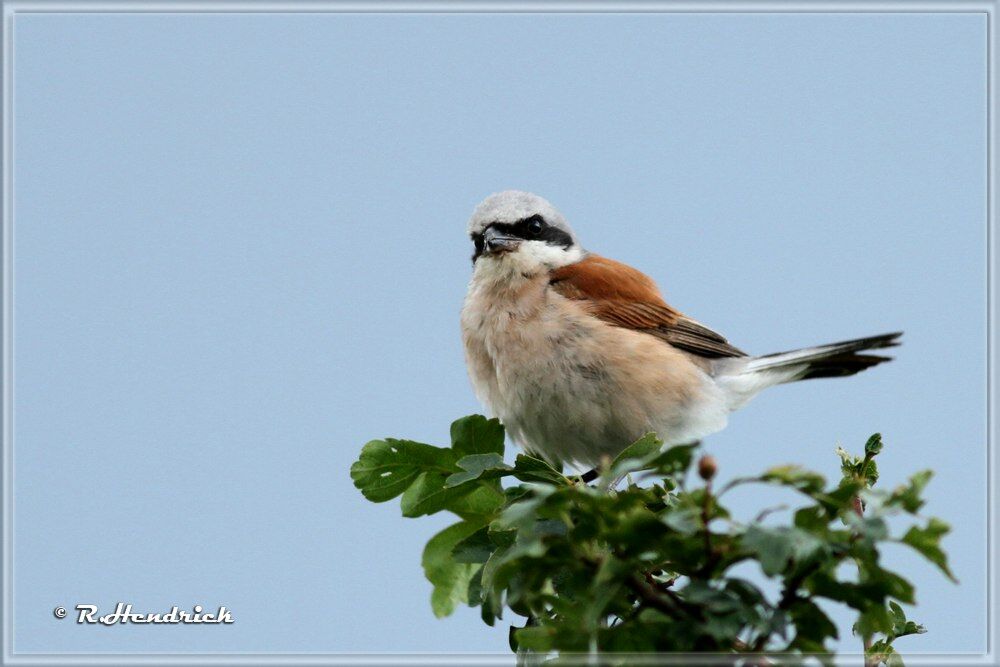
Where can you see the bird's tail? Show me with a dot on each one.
(825, 361)
(743, 378)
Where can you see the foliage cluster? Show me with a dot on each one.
(651, 565)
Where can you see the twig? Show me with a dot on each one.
(859, 509)
(764, 513)
(652, 597)
(706, 507)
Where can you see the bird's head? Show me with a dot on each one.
(519, 232)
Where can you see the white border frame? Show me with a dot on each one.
(14, 7)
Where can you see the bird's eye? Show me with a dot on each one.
(535, 226)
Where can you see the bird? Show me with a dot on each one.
(578, 355)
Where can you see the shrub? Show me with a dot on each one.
(606, 572)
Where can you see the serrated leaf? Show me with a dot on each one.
(840, 499)
(476, 434)
(667, 463)
(893, 584)
(902, 627)
(567, 555)
(812, 519)
(478, 466)
(530, 469)
(872, 528)
(450, 579)
(674, 460)
(640, 450)
(874, 445)
(476, 548)
(874, 618)
(878, 648)
(683, 519)
(927, 542)
(746, 591)
(882, 653)
(777, 548)
(387, 468)
(428, 495)
(869, 472)
(856, 467)
(811, 623)
(486, 500)
(492, 606)
(475, 591)
(908, 496)
(539, 640)
(607, 584)
(806, 481)
(898, 615)
(500, 536)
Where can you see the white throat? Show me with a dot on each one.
(531, 259)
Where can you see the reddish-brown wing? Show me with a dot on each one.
(625, 297)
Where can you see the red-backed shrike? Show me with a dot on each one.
(579, 355)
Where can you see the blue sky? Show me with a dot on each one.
(240, 254)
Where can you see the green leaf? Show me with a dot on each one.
(477, 466)
(872, 528)
(647, 454)
(811, 624)
(673, 461)
(450, 579)
(869, 472)
(882, 653)
(640, 450)
(683, 519)
(927, 541)
(475, 548)
(796, 477)
(428, 495)
(841, 499)
(874, 445)
(598, 570)
(777, 548)
(848, 462)
(500, 536)
(539, 640)
(475, 591)
(530, 469)
(486, 500)
(477, 435)
(855, 467)
(900, 626)
(387, 468)
(813, 519)
(892, 584)
(874, 618)
(908, 496)
(492, 598)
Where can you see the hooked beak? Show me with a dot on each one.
(497, 242)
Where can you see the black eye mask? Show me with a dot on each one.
(530, 229)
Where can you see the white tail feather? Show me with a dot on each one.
(743, 378)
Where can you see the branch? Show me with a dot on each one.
(653, 598)
(789, 595)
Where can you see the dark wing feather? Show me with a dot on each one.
(622, 296)
(699, 339)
